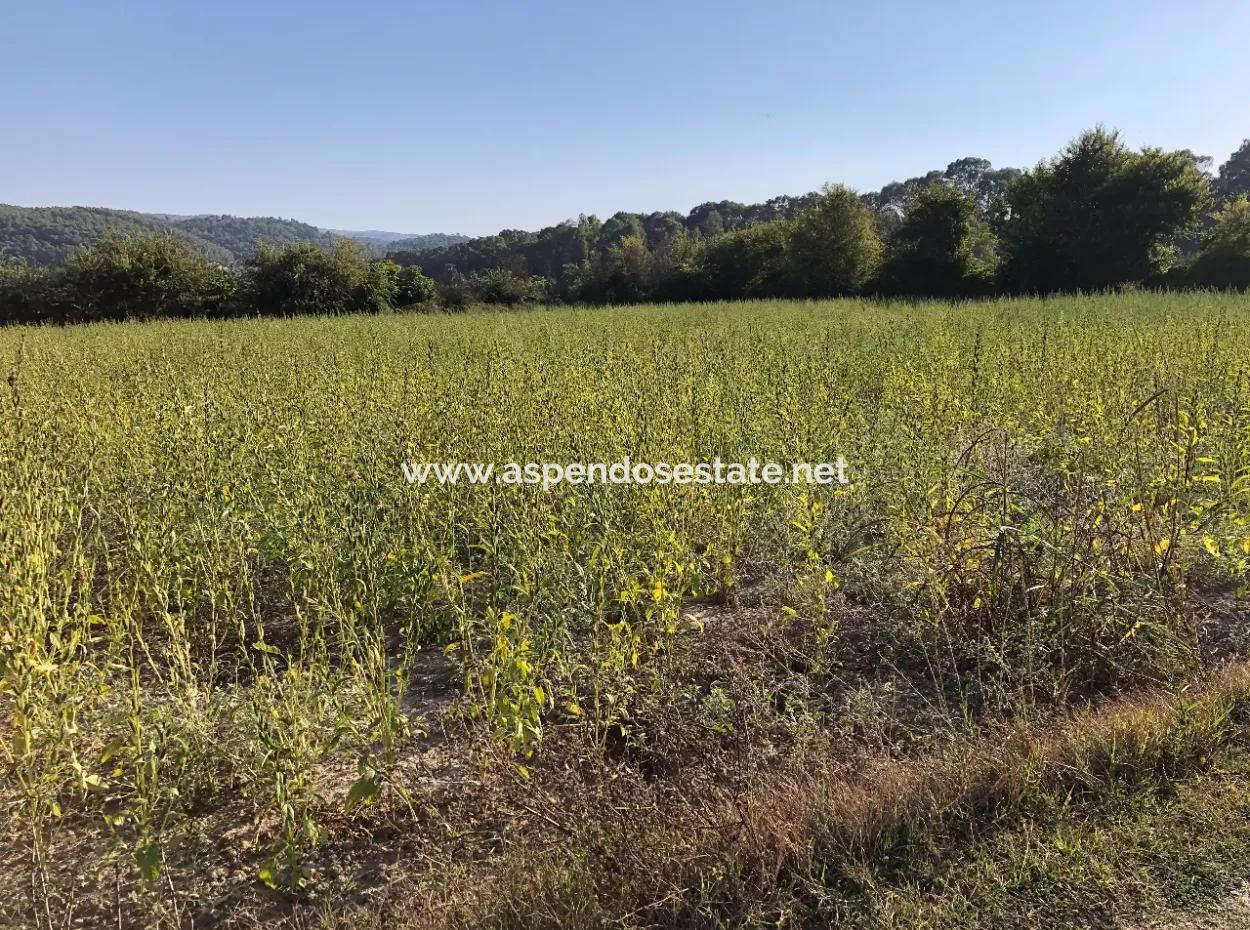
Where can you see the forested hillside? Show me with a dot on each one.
(45, 235)
(424, 241)
(238, 235)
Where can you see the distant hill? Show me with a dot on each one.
(239, 235)
(427, 241)
(45, 235)
(372, 235)
(379, 241)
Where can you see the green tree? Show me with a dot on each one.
(941, 248)
(750, 262)
(501, 286)
(1223, 258)
(413, 289)
(303, 278)
(618, 227)
(706, 219)
(1099, 215)
(628, 271)
(834, 248)
(1234, 178)
(143, 275)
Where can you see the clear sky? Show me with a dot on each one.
(471, 116)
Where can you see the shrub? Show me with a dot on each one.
(302, 278)
(500, 286)
(139, 276)
(28, 294)
(413, 289)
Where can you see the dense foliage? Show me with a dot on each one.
(46, 235)
(240, 235)
(1234, 177)
(1224, 257)
(419, 243)
(160, 275)
(1097, 216)
(303, 279)
(942, 246)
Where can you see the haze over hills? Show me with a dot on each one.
(46, 235)
(381, 235)
(380, 242)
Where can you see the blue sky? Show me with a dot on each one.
(472, 116)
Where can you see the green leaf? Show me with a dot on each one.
(363, 792)
(148, 859)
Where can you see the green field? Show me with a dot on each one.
(250, 673)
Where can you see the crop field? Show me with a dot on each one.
(252, 676)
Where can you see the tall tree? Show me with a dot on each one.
(750, 262)
(1099, 215)
(835, 247)
(1224, 257)
(942, 247)
(1234, 178)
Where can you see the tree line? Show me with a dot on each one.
(1097, 215)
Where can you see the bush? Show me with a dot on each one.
(27, 294)
(414, 289)
(137, 276)
(500, 286)
(302, 279)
